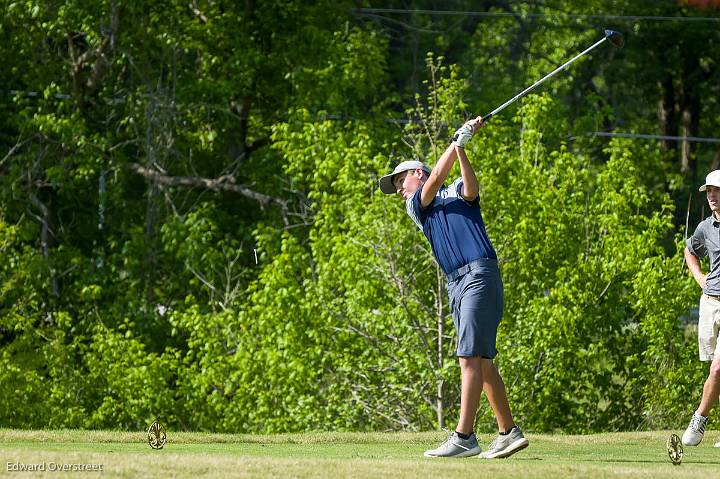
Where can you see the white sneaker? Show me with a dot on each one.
(505, 445)
(695, 430)
(717, 444)
(456, 446)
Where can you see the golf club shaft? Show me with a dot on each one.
(549, 75)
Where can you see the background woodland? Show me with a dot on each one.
(191, 228)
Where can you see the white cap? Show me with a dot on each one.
(386, 182)
(712, 179)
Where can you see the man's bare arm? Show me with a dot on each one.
(471, 187)
(694, 267)
(442, 168)
(438, 175)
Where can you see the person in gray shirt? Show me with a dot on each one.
(706, 242)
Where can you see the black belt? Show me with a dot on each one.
(475, 264)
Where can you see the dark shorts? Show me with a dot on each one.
(477, 300)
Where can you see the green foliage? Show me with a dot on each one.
(190, 224)
(132, 385)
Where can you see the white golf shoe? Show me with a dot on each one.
(456, 446)
(695, 430)
(505, 445)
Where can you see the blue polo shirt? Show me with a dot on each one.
(454, 227)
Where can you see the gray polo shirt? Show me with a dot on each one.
(706, 242)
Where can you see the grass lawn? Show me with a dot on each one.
(332, 455)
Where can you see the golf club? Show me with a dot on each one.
(612, 36)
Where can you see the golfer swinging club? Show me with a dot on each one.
(451, 220)
(706, 242)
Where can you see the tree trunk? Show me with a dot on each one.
(150, 151)
(666, 112)
(690, 122)
(47, 239)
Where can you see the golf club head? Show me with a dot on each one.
(615, 38)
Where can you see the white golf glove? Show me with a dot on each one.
(463, 135)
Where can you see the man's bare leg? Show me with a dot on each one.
(471, 387)
(494, 389)
(695, 431)
(711, 389)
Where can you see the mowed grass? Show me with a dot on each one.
(353, 455)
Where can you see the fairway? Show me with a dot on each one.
(331, 455)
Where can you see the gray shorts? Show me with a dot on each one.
(476, 301)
